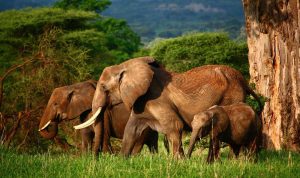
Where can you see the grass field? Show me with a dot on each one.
(269, 164)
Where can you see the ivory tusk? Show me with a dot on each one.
(88, 122)
(45, 125)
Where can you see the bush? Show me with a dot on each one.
(192, 50)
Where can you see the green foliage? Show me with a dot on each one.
(86, 5)
(254, 103)
(196, 49)
(29, 33)
(119, 34)
(20, 30)
(27, 90)
(108, 41)
(60, 65)
(64, 47)
(95, 42)
(29, 21)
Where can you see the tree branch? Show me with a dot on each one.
(10, 70)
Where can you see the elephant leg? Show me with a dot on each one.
(175, 140)
(133, 130)
(148, 137)
(87, 139)
(106, 145)
(172, 126)
(236, 150)
(152, 141)
(210, 149)
(166, 144)
(230, 153)
(252, 149)
(214, 148)
(97, 138)
(138, 146)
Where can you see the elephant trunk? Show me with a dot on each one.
(50, 131)
(48, 127)
(193, 139)
(99, 99)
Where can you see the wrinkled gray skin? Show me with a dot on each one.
(236, 124)
(166, 102)
(73, 101)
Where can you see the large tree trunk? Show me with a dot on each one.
(273, 40)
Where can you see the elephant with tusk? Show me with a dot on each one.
(165, 101)
(67, 103)
(75, 101)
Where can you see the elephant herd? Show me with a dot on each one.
(138, 98)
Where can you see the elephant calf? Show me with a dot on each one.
(236, 124)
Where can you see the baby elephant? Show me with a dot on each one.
(236, 124)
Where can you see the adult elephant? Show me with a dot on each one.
(67, 103)
(73, 101)
(166, 102)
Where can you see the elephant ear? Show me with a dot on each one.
(135, 80)
(80, 99)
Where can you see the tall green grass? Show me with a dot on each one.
(268, 164)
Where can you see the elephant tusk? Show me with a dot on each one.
(88, 122)
(45, 126)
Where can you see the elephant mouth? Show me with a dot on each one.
(56, 120)
(45, 126)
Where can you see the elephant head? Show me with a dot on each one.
(123, 83)
(66, 103)
(215, 118)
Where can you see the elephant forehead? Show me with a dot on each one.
(58, 93)
(108, 72)
(200, 118)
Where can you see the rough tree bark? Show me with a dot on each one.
(273, 30)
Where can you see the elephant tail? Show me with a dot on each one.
(254, 95)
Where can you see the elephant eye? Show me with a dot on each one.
(104, 87)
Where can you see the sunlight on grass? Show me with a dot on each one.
(269, 164)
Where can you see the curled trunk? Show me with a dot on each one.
(193, 140)
(51, 131)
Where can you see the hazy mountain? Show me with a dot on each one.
(165, 18)
(168, 18)
(18, 4)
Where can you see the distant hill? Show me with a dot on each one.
(169, 18)
(165, 18)
(18, 4)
